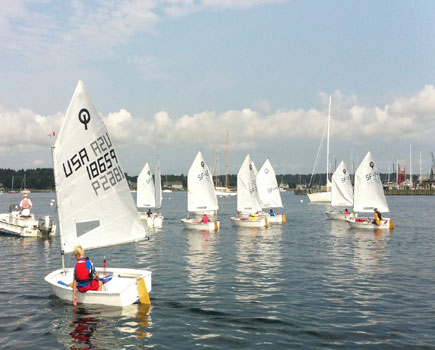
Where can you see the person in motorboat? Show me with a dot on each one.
(85, 276)
(378, 217)
(149, 212)
(26, 205)
(205, 219)
(271, 213)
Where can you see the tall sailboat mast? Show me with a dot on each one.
(226, 164)
(327, 142)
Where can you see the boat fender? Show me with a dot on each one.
(267, 223)
(391, 224)
(283, 218)
(142, 292)
(216, 226)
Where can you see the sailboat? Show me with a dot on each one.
(12, 186)
(325, 196)
(201, 197)
(341, 192)
(269, 193)
(149, 196)
(94, 203)
(23, 188)
(248, 202)
(368, 195)
(225, 191)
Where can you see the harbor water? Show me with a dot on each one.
(311, 283)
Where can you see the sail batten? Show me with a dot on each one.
(90, 183)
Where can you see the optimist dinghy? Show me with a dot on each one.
(369, 194)
(341, 193)
(149, 196)
(94, 203)
(201, 197)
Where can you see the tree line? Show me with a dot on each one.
(42, 179)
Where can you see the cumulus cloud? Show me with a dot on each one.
(403, 118)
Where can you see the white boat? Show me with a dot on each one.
(15, 224)
(149, 196)
(248, 202)
(341, 193)
(94, 203)
(201, 197)
(323, 196)
(368, 195)
(269, 193)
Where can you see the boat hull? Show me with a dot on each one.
(320, 197)
(195, 224)
(120, 291)
(367, 223)
(19, 226)
(336, 215)
(250, 222)
(153, 221)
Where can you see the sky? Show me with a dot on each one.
(171, 77)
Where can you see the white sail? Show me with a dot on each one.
(95, 206)
(342, 191)
(369, 192)
(201, 194)
(158, 185)
(247, 193)
(267, 186)
(145, 189)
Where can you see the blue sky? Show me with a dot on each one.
(172, 76)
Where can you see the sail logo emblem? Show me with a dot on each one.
(84, 117)
(266, 171)
(250, 166)
(202, 164)
(149, 172)
(372, 165)
(344, 171)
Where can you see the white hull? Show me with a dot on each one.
(195, 224)
(336, 215)
(250, 221)
(120, 291)
(226, 194)
(320, 197)
(22, 226)
(153, 221)
(367, 223)
(276, 219)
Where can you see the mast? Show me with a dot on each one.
(226, 164)
(420, 169)
(217, 164)
(327, 142)
(410, 166)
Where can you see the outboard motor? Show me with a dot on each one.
(45, 225)
(14, 207)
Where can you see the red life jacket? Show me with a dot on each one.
(26, 203)
(82, 274)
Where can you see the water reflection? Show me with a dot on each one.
(201, 261)
(94, 326)
(259, 262)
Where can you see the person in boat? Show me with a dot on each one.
(378, 217)
(346, 212)
(85, 276)
(149, 212)
(271, 212)
(26, 205)
(205, 219)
